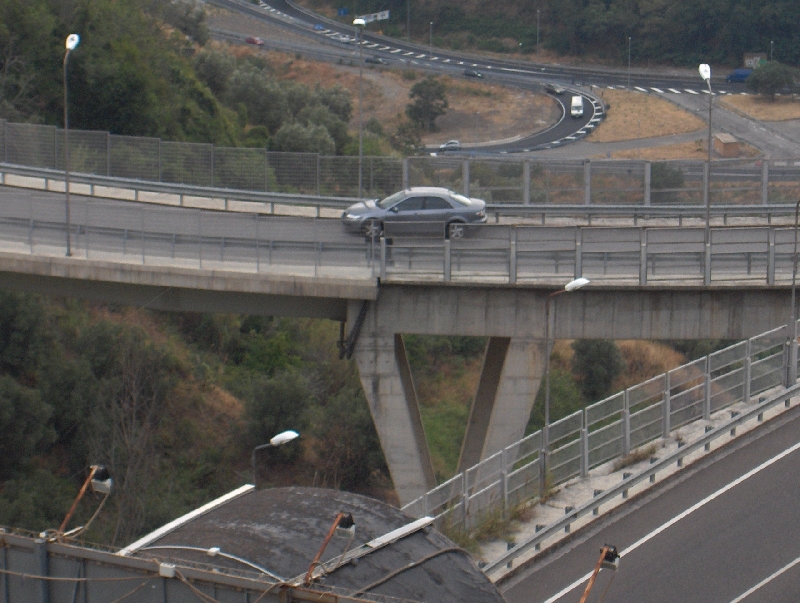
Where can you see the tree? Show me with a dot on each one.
(428, 102)
(597, 362)
(771, 77)
(406, 138)
(297, 138)
(320, 115)
(215, 69)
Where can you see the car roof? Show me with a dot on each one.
(440, 190)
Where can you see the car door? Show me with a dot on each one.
(437, 211)
(403, 217)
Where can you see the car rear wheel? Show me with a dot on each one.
(455, 230)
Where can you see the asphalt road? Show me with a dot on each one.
(726, 530)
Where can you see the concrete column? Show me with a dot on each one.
(512, 371)
(389, 388)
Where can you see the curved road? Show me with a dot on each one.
(727, 530)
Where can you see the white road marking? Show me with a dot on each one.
(659, 90)
(691, 91)
(675, 91)
(640, 89)
(766, 580)
(683, 515)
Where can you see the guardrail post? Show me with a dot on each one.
(643, 256)
(707, 260)
(765, 182)
(626, 424)
(526, 182)
(584, 452)
(447, 261)
(543, 462)
(647, 182)
(667, 417)
(748, 371)
(707, 390)
(465, 176)
(383, 258)
(512, 257)
(504, 480)
(587, 182)
(792, 372)
(771, 258)
(578, 257)
(465, 499)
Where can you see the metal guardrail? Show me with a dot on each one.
(608, 430)
(648, 473)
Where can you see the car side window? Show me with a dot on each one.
(436, 203)
(410, 204)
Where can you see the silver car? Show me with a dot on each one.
(416, 211)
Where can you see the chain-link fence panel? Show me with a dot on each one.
(558, 182)
(497, 181)
(31, 144)
(187, 163)
(244, 169)
(134, 157)
(436, 171)
(88, 152)
(676, 182)
(293, 173)
(617, 182)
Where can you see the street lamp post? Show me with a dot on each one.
(771, 42)
(629, 61)
(430, 41)
(537, 32)
(705, 73)
(360, 23)
(570, 286)
(408, 19)
(279, 440)
(71, 43)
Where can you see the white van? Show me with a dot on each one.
(576, 107)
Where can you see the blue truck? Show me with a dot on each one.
(739, 76)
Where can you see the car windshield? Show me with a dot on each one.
(391, 200)
(461, 199)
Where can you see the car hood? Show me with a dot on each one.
(361, 208)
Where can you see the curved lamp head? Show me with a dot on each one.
(576, 284)
(283, 438)
(359, 22)
(72, 41)
(705, 71)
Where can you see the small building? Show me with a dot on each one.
(280, 532)
(726, 146)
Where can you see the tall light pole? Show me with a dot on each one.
(537, 32)
(705, 73)
(408, 19)
(771, 42)
(279, 440)
(570, 286)
(629, 61)
(430, 41)
(793, 327)
(72, 42)
(360, 23)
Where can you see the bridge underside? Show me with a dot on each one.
(511, 318)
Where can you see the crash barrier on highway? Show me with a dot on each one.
(610, 429)
(520, 254)
(513, 180)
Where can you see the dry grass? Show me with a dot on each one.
(635, 115)
(636, 456)
(683, 150)
(783, 108)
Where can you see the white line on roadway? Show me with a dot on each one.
(766, 580)
(682, 515)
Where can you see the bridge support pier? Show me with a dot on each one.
(510, 377)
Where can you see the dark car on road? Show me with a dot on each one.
(375, 60)
(472, 73)
(254, 41)
(416, 211)
(554, 89)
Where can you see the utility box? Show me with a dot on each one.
(726, 146)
